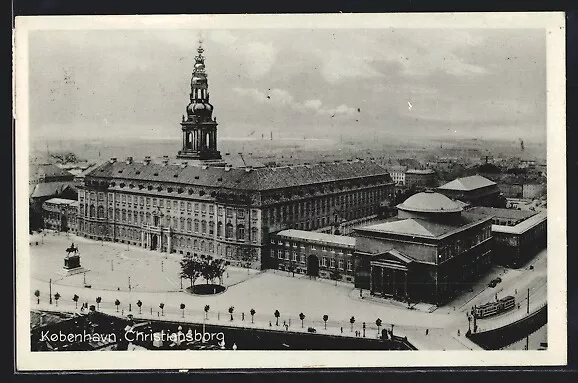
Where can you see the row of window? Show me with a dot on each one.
(325, 262)
(461, 245)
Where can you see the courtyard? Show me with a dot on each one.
(154, 279)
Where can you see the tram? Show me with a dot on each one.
(493, 308)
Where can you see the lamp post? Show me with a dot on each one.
(50, 289)
(129, 287)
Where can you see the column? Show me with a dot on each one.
(405, 284)
(198, 140)
(160, 243)
(169, 242)
(370, 280)
(382, 281)
(393, 285)
(142, 238)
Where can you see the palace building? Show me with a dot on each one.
(198, 204)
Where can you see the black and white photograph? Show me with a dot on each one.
(288, 191)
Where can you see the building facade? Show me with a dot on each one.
(203, 206)
(429, 252)
(518, 234)
(420, 179)
(60, 214)
(314, 254)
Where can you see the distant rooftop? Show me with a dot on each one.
(503, 213)
(419, 171)
(318, 237)
(467, 183)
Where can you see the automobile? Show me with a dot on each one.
(492, 284)
(498, 280)
(311, 329)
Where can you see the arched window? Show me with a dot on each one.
(141, 214)
(123, 232)
(220, 229)
(211, 247)
(124, 215)
(117, 214)
(219, 249)
(91, 211)
(188, 242)
(211, 227)
(241, 232)
(175, 224)
(129, 217)
(182, 224)
(110, 213)
(196, 225)
(203, 246)
(195, 244)
(189, 224)
(254, 233)
(204, 227)
(148, 218)
(81, 210)
(229, 230)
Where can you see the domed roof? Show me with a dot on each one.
(430, 202)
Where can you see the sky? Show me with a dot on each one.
(317, 83)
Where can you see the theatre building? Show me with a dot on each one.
(197, 204)
(429, 252)
(518, 234)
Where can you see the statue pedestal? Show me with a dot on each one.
(72, 266)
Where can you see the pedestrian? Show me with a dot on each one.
(458, 332)
(342, 330)
(516, 291)
(270, 324)
(427, 331)
(284, 324)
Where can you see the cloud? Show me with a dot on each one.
(281, 97)
(338, 66)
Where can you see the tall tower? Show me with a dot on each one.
(199, 127)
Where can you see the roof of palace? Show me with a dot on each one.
(523, 226)
(430, 202)
(318, 237)
(467, 183)
(503, 213)
(265, 178)
(61, 201)
(418, 227)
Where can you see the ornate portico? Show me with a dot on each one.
(389, 274)
(155, 236)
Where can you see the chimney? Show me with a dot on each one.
(129, 160)
(112, 160)
(165, 161)
(147, 160)
(228, 167)
(184, 164)
(248, 169)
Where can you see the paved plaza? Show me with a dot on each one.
(110, 265)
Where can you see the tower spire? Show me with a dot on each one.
(198, 126)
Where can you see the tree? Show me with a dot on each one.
(75, 299)
(117, 303)
(37, 295)
(162, 307)
(183, 308)
(191, 269)
(231, 309)
(352, 321)
(213, 268)
(56, 298)
(207, 308)
(277, 315)
(302, 317)
(378, 324)
(139, 304)
(252, 312)
(325, 317)
(98, 300)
